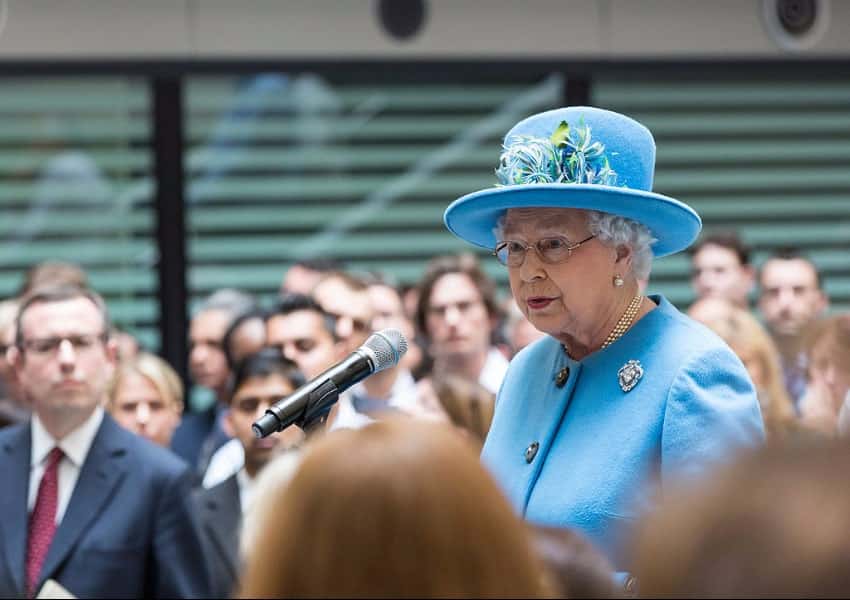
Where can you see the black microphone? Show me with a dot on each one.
(313, 400)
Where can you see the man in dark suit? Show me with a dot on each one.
(84, 502)
(260, 380)
(200, 434)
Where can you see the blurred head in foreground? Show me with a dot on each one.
(774, 524)
(400, 508)
(578, 569)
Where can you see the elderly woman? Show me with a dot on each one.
(624, 391)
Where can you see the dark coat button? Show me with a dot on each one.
(562, 376)
(531, 451)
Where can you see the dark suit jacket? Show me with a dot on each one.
(129, 529)
(221, 520)
(197, 438)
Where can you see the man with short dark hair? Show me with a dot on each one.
(791, 299)
(346, 297)
(259, 381)
(304, 333)
(101, 511)
(720, 268)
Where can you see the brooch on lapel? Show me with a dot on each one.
(629, 375)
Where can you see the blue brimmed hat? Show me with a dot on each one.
(577, 157)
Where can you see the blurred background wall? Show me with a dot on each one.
(486, 29)
(175, 147)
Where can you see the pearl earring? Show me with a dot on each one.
(618, 281)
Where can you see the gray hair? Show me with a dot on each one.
(614, 230)
(229, 300)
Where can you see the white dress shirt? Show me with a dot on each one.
(75, 447)
(224, 463)
(247, 488)
(494, 371)
(403, 396)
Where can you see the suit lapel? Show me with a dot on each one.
(224, 516)
(14, 475)
(102, 470)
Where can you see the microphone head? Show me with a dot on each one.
(386, 348)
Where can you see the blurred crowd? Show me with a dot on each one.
(388, 497)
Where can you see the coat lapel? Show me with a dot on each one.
(14, 475)
(102, 470)
(223, 519)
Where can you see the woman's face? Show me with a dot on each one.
(138, 406)
(571, 299)
(829, 370)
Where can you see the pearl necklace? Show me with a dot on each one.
(625, 321)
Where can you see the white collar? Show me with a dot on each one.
(402, 392)
(245, 481)
(75, 445)
(247, 486)
(494, 370)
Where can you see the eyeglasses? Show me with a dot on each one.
(551, 250)
(49, 346)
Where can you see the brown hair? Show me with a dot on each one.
(349, 280)
(400, 508)
(576, 567)
(773, 524)
(59, 293)
(829, 342)
(465, 264)
(53, 273)
(468, 404)
(725, 239)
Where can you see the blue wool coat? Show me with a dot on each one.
(602, 453)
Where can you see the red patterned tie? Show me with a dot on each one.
(42, 524)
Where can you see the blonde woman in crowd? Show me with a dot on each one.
(399, 508)
(754, 346)
(147, 398)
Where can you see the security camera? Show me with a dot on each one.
(796, 24)
(402, 19)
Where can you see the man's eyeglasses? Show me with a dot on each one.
(50, 345)
(551, 250)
